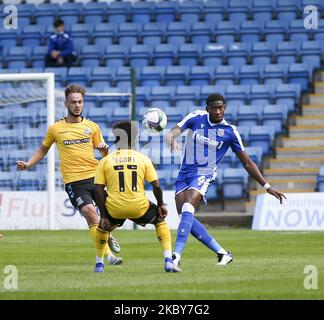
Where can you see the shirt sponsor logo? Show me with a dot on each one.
(76, 141)
(79, 201)
(87, 131)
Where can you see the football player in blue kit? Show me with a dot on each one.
(208, 139)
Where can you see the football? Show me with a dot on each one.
(154, 120)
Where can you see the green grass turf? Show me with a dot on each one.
(58, 265)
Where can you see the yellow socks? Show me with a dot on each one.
(93, 232)
(164, 236)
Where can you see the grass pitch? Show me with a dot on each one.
(267, 265)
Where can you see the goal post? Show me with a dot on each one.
(49, 79)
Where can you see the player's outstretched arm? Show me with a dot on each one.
(171, 136)
(158, 193)
(254, 171)
(36, 157)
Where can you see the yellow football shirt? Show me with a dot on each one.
(75, 143)
(124, 172)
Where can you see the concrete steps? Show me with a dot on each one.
(308, 131)
(319, 87)
(291, 184)
(310, 120)
(316, 141)
(294, 174)
(317, 98)
(300, 152)
(313, 110)
(290, 163)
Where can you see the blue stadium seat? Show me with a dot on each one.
(38, 56)
(274, 115)
(186, 96)
(162, 96)
(9, 137)
(212, 54)
(104, 34)
(288, 94)
(225, 75)
(116, 55)
(118, 11)
(60, 75)
(310, 53)
(70, 12)
(227, 161)
(26, 12)
(94, 13)
(275, 73)
(250, 31)
(225, 32)
(164, 54)
(297, 31)
(287, 52)
(286, 11)
(201, 32)
(81, 33)
(29, 181)
(250, 74)
(231, 112)
(78, 75)
(164, 178)
(319, 32)
(123, 77)
(176, 75)
(213, 11)
(262, 136)
(238, 53)
(235, 182)
(320, 180)
(261, 53)
(151, 76)
(299, 73)
(237, 94)
(274, 31)
(101, 77)
(190, 11)
(244, 133)
(174, 114)
(262, 93)
(128, 33)
(24, 115)
(120, 114)
(152, 33)
(142, 97)
(141, 12)
(165, 11)
(248, 115)
(45, 13)
(7, 180)
(177, 33)
(255, 153)
(112, 102)
(8, 38)
(200, 75)
(90, 56)
(140, 55)
(262, 10)
(18, 57)
(238, 10)
(32, 35)
(100, 115)
(33, 136)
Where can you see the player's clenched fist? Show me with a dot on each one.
(22, 165)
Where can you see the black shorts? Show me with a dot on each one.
(150, 216)
(81, 192)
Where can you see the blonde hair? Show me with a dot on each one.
(74, 88)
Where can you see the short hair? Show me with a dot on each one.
(125, 130)
(58, 22)
(215, 97)
(74, 88)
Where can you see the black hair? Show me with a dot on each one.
(58, 22)
(125, 130)
(215, 97)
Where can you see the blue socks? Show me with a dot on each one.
(184, 227)
(200, 232)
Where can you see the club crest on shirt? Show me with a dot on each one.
(87, 131)
(220, 132)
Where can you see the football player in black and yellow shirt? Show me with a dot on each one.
(76, 138)
(123, 174)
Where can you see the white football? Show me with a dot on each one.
(154, 120)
